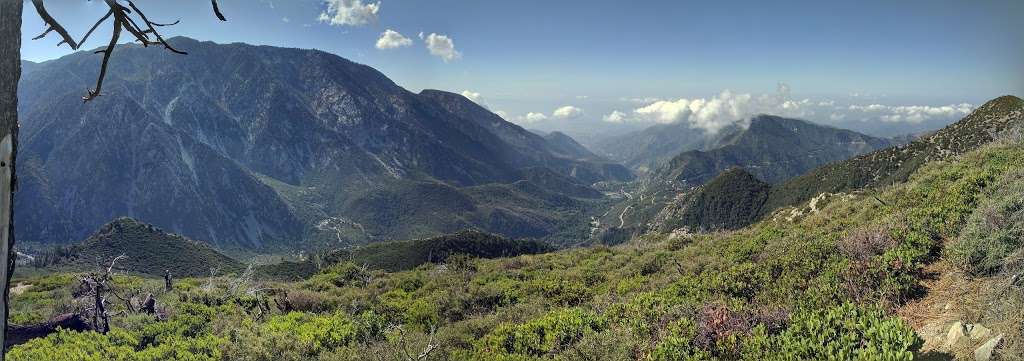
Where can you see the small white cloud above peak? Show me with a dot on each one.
(350, 12)
(532, 117)
(476, 98)
(615, 117)
(441, 46)
(391, 39)
(567, 112)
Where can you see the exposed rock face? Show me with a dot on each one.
(955, 335)
(984, 353)
(249, 146)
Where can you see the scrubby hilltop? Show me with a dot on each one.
(896, 164)
(147, 250)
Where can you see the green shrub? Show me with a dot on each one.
(554, 331)
(292, 336)
(993, 231)
(843, 332)
(117, 345)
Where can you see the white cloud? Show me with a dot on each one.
(350, 12)
(727, 108)
(582, 97)
(501, 113)
(441, 46)
(911, 113)
(532, 117)
(286, 19)
(475, 97)
(708, 114)
(391, 39)
(615, 117)
(567, 112)
(720, 111)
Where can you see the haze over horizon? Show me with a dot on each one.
(602, 67)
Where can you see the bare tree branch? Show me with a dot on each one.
(122, 21)
(153, 31)
(216, 11)
(114, 262)
(53, 25)
(92, 94)
(94, 26)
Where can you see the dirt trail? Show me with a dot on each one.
(950, 297)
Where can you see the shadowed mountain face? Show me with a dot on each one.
(254, 146)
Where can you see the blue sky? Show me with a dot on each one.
(917, 61)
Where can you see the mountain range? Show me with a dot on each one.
(258, 147)
(737, 198)
(767, 149)
(772, 148)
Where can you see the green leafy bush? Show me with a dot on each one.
(993, 231)
(845, 332)
(554, 331)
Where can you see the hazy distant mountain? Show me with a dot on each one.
(644, 150)
(257, 146)
(563, 144)
(772, 149)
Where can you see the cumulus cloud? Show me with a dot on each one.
(532, 117)
(615, 117)
(441, 46)
(567, 112)
(391, 39)
(475, 97)
(709, 114)
(727, 108)
(350, 12)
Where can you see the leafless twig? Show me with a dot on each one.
(145, 34)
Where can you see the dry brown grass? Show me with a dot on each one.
(953, 296)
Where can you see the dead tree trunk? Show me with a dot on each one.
(17, 335)
(10, 73)
(167, 281)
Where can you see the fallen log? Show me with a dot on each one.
(19, 334)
